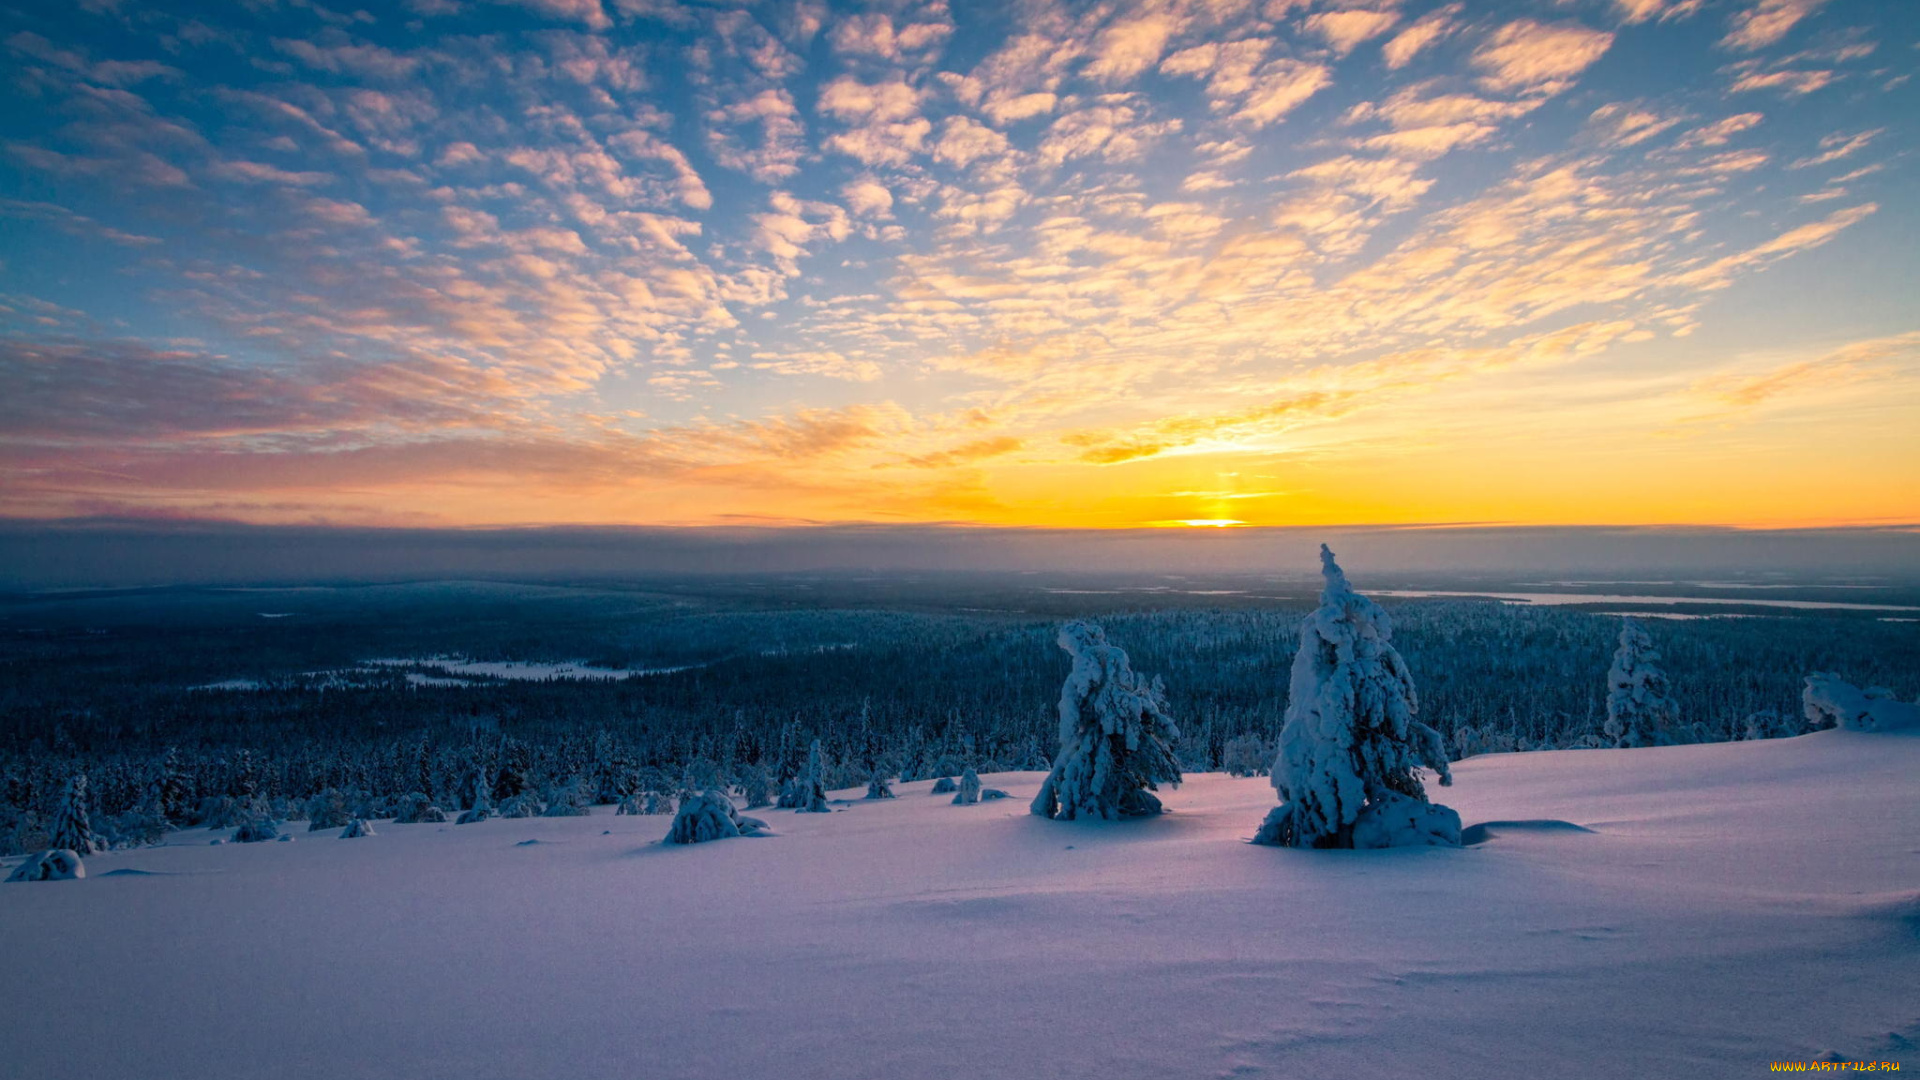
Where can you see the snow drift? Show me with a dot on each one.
(1732, 904)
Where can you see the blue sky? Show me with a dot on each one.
(579, 261)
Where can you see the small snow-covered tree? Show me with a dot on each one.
(171, 786)
(710, 816)
(878, 787)
(969, 792)
(809, 794)
(1830, 701)
(1116, 739)
(1764, 724)
(943, 786)
(1640, 712)
(564, 800)
(482, 807)
(1247, 755)
(523, 805)
(73, 820)
(144, 824)
(418, 809)
(1351, 744)
(257, 831)
(356, 828)
(327, 810)
(756, 786)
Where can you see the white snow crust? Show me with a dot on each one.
(1728, 905)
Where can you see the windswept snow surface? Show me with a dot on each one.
(1732, 905)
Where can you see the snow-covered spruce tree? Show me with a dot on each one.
(258, 831)
(878, 787)
(172, 786)
(969, 792)
(143, 825)
(943, 786)
(809, 788)
(418, 809)
(1246, 755)
(356, 828)
(1639, 710)
(523, 805)
(756, 786)
(479, 806)
(481, 810)
(1116, 739)
(1352, 744)
(73, 820)
(564, 800)
(710, 816)
(327, 810)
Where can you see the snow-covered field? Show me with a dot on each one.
(1730, 905)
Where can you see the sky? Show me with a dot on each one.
(449, 263)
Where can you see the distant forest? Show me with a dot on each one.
(210, 706)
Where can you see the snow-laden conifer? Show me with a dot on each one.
(756, 786)
(172, 786)
(418, 809)
(523, 805)
(73, 819)
(257, 831)
(710, 815)
(969, 792)
(1830, 701)
(356, 828)
(221, 812)
(143, 825)
(1246, 755)
(943, 786)
(878, 787)
(564, 800)
(809, 794)
(327, 810)
(1640, 712)
(481, 810)
(1116, 739)
(1352, 742)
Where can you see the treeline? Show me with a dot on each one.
(916, 695)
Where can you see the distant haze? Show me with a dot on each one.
(70, 554)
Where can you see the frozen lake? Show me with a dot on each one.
(1561, 599)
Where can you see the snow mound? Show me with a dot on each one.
(1487, 830)
(1831, 701)
(60, 864)
(1394, 820)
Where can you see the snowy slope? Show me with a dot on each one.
(1734, 904)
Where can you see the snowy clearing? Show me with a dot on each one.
(1733, 904)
